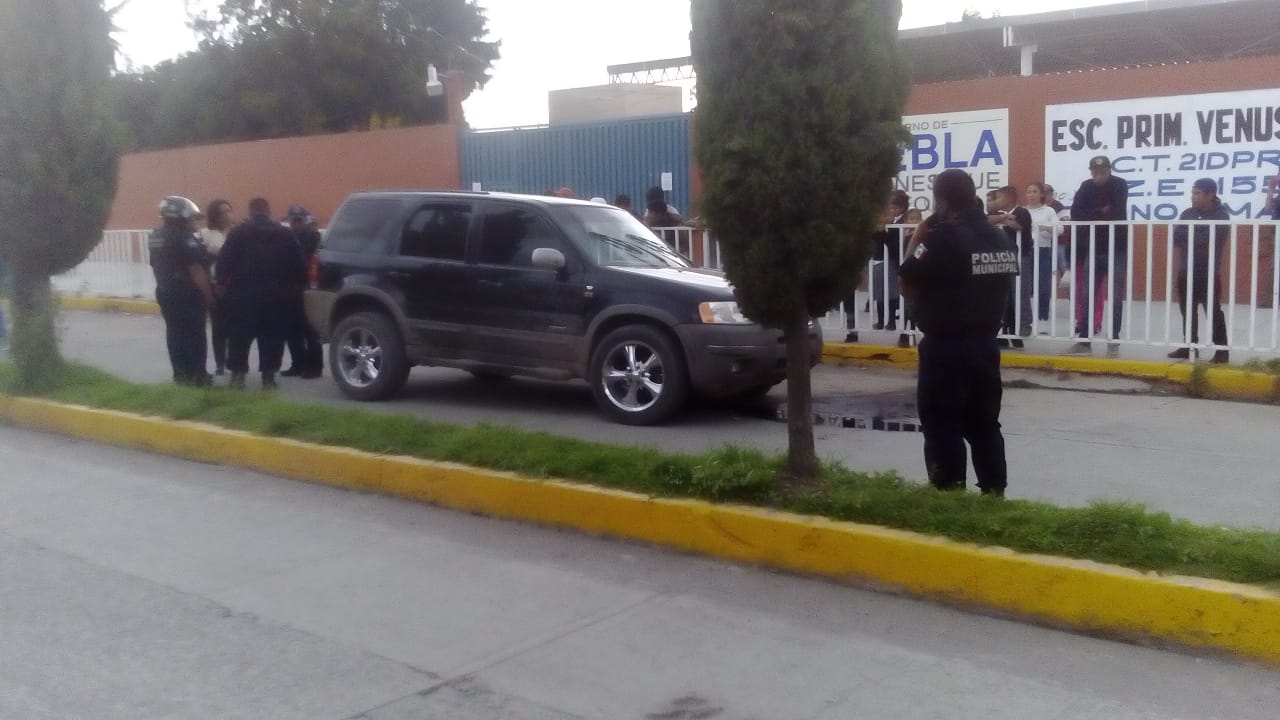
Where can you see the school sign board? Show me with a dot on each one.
(976, 141)
(1161, 145)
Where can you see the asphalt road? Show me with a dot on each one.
(138, 586)
(1209, 461)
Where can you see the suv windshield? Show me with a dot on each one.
(612, 237)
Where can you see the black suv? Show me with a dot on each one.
(502, 285)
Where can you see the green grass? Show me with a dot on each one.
(1120, 533)
(1269, 366)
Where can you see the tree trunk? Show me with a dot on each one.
(34, 345)
(802, 456)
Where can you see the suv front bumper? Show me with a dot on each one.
(729, 359)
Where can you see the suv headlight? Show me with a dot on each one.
(722, 313)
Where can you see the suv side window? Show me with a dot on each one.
(361, 223)
(511, 234)
(437, 231)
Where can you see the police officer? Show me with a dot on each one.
(181, 262)
(258, 268)
(305, 349)
(959, 272)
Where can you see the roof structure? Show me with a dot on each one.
(1147, 32)
(652, 72)
(1150, 32)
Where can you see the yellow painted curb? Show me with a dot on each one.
(1219, 381)
(1080, 595)
(102, 304)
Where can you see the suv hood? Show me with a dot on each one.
(699, 278)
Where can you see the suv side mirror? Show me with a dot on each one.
(549, 259)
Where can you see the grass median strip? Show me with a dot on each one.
(1119, 533)
(1265, 366)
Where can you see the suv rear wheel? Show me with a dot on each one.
(366, 357)
(638, 376)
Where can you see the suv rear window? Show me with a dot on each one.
(361, 223)
(437, 231)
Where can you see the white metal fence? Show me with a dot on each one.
(1147, 275)
(118, 267)
(1070, 285)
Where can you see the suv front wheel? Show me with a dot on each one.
(638, 375)
(366, 357)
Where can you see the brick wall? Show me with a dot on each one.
(317, 171)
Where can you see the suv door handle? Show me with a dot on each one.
(490, 283)
(401, 275)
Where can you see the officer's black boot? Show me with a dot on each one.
(269, 381)
(237, 381)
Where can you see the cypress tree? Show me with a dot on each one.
(58, 159)
(798, 133)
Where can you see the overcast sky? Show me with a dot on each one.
(546, 44)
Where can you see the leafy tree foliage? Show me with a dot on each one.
(799, 129)
(280, 68)
(58, 157)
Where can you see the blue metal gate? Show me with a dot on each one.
(596, 159)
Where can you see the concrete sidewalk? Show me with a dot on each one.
(1211, 462)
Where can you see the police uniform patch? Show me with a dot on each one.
(920, 252)
(1000, 262)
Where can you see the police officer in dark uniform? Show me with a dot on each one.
(181, 263)
(258, 268)
(305, 350)
(959, 271)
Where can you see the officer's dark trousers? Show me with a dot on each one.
(1200, 294)
(184, 321)
(255, 317)
(959, 394)
(218, 336)
(305, 351)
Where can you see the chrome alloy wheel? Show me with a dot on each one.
(633, 376)
(360, 357)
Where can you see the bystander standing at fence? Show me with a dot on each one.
(1015, 221)
(889, 243)
(1044, 228)
(660, 216)
(1193, 260)
(1103, 249)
